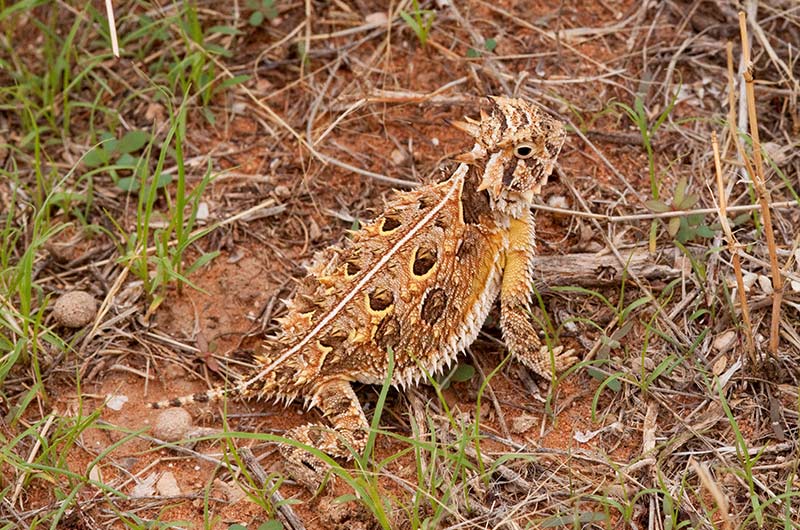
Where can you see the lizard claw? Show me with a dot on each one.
(564, 358)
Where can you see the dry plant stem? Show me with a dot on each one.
(732, 248)
(284, 510)
(741, 208)
(501, 419)
(112, 28)
(713, 488)
(31, 456)
(763, 194)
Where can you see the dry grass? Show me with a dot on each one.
(183, 184)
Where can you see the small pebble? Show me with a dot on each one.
(283, 191)
(378, 18)
(75, 309)
(725, 340)
(398, 157)
(174, 372)
(523, 423)
(172, 425)
(167, 485)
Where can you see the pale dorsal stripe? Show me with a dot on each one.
(457, 180)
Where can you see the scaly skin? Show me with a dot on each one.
(419, 280)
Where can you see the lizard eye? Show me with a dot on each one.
(523, 150)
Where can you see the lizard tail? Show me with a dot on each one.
(201, 397)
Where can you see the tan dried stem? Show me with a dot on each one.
(763, 193)
(112, 28)
(733, 248)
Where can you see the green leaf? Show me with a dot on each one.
(127, 160)
(67, 196)
(269, 9)
(657, 206)
(673, 226)
(689, 201)
(96, 157)
(236, 80)
(128, 184)
(680, 191)
(209, 115)
(705, 231)
(202, 260)
(572, 520)
(347, 497)
(685, 234)
(741, 219)
(410, 21)
(272, 524)
(219, 50)
(463, 372)
(695, 219)
(490, 45)
(163, 179)
(256, 18)
(620, 333)
(472, 53)
(613, 384)
(237, 526)
(132, 141)
(224, 30)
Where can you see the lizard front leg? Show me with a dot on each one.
(346, 435)
(515, 293)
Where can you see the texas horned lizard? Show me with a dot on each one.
(418, 281)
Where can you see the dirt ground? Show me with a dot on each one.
(639, 436)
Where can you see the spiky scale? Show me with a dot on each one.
(434, 263)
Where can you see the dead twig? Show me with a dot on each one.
(732, 246)
(757, 177)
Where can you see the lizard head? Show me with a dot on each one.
(517, 144)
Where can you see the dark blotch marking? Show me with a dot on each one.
(334, 339)
(439, 223)
(499, 116)
(474, 204)
(387, 334)
(337, 407)
(352, 268)
(434, 305)
(537, 170)
(316, 438)
(389, 224)
(201, 397)
(424, 260)
(503, 122)
(284, 373)
(527, 117)
(423, 203)
(380, 299)
(467, 245)
(508, 171)
(305, 303)
(176, 402)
